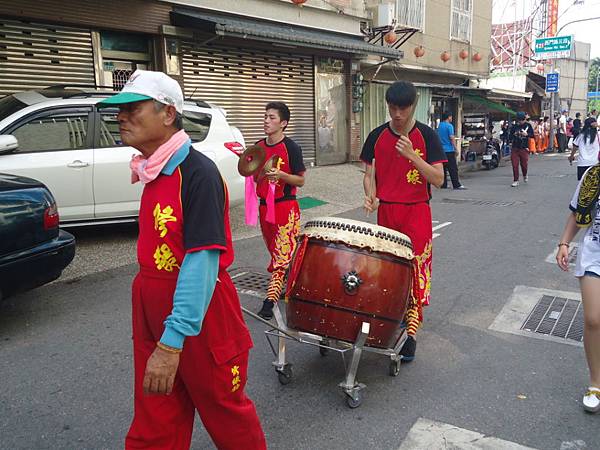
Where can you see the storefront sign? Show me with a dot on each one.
(552, 18)
(554, 47)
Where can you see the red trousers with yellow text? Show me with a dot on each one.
(210, 379)
(280, 238)
(413, 220)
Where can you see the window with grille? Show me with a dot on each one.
(462, 14)
(411, 13)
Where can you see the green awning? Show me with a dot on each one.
(489, 103)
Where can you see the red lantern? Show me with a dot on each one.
(463, 54)
(298, 2)
(390, 37)
(540, 67)
(419, 51)
(445, 56)
(477, 57)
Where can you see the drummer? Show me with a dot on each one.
(280, 230)
(408, 159)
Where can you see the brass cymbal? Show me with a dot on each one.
(251, 160)
(271, 162)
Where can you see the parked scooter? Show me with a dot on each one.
(490, 159)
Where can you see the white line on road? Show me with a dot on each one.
(441, 225)
(430, 435)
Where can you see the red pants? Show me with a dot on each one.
(210, 379)
(519, 155)
(413, 220)
(280, 239)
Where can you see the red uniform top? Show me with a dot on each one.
(398, 180)
(291, 162)
(184, 212)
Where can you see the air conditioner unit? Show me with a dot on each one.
(386, 13)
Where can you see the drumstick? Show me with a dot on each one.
(372, 187)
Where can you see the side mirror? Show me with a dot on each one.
(8, 143)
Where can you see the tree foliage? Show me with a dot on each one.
(594, 68)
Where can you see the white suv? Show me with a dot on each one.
(59, 137)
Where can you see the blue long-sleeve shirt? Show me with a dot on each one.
(195, 283)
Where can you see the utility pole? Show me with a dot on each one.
(552, 123)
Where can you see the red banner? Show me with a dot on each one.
(552, 18)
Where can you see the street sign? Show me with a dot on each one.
(553, 47)
(552, 82)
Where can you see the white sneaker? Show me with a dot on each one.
(515, 184)
(591, 400)
(525, 178)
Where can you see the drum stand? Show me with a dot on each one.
(351, 388)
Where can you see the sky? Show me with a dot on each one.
(568, 10)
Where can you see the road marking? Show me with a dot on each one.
(438, 227)
(441, 225)
(430, 435)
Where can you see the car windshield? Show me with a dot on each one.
(9, 105)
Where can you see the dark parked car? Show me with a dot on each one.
(33, 250)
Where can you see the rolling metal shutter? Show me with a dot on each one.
(36, 56)
(242, 81)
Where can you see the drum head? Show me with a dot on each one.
(360, 234)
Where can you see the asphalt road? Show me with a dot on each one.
(66, 366)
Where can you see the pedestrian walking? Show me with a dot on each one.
(409, 158)
(279, 210)
(190, 342)
(519, 136)
(577, 124)
(586, 214)
(561, 129)
(588, 145)
(446, 134)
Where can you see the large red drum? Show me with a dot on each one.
(346, 272)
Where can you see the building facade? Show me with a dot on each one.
(448, 52)
(326, 59)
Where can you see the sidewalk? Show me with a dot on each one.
(339, 186)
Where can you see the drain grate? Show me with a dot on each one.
(251, 282)
(556, 316)
(482, 202)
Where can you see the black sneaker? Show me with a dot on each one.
(266, 312)
(408, 349)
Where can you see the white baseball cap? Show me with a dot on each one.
(148, 85)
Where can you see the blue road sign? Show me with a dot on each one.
(552, 82)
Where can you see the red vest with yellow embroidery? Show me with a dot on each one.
(165, 225)
(291, 162)
(398, 180)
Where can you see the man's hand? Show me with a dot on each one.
(571, 158)
(371, 204)
(160, 372)
(274, 175)
(404, 147)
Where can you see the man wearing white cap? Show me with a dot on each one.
(190, 341)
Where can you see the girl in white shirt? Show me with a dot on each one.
(588, 144)
(586, 214)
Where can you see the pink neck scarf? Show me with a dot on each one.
(147, 169)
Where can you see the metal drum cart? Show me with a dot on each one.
(348, 289)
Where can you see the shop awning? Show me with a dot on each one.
(279, 33)
(489, 103)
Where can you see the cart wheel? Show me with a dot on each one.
(354, 402)
(394, 368)
(285, 375)
(323, 351)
